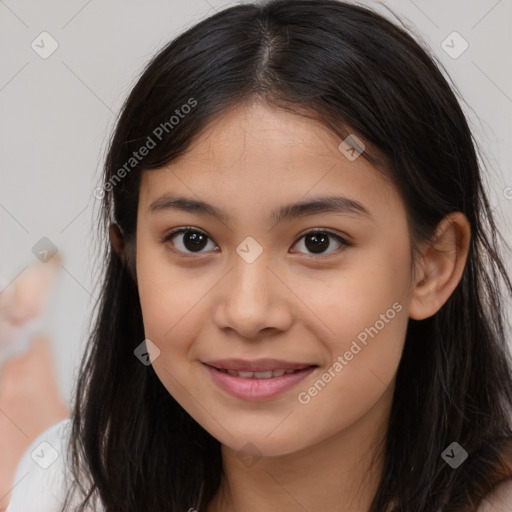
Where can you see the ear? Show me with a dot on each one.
(116, 239)
(442, 265)
(119, 245)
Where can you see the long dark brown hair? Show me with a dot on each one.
(132, 444)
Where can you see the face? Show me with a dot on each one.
(270, 325)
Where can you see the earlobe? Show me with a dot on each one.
(443, 263)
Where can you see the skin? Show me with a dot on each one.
(290, 304)
(30, 401)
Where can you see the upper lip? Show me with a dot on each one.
(258, 365)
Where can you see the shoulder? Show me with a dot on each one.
(41, 480)
(499, 499)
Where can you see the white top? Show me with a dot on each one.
(41, 479)
(41, 482)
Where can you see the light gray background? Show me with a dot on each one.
(57, 113)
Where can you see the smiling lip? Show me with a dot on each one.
(259, 365)
(251, 387)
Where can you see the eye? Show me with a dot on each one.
(193, 240)
(317, 241)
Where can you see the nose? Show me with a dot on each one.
(254, 300)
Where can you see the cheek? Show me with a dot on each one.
(166, 295)
(365, 311)
(360, 374)
(351, 301)
(171, 310)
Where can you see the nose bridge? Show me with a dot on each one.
(251, 299)
(250, 281)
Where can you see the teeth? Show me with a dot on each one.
(258, 375)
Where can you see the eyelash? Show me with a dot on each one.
(340, 239)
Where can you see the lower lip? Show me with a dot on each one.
(257, 389)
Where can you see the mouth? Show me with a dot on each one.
(259, 375)
(257, 380)
(257, 366)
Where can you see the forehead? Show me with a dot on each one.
(243, 131)
(255, 155)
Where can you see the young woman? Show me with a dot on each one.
(303, 299)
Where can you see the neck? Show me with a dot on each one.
(340, 473)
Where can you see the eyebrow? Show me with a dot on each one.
(329, 204)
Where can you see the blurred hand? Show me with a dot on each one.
(22, 305)
(29, 398)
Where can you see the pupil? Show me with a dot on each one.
(195, 240)
(320, 242)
